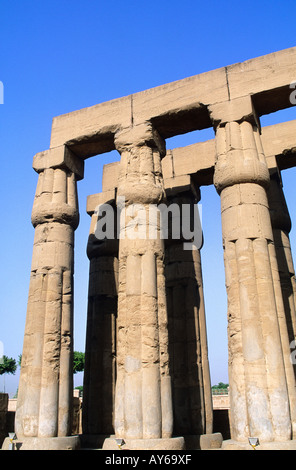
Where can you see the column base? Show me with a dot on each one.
(44, 443)
(172, 443)
(203, 441)
(275, 445)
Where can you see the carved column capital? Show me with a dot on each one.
(56, 198)
(239, 156)
(140, 179)
(142, 135)
(97, 205)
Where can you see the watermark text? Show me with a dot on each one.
(150, 222)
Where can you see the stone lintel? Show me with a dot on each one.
(273, 168)
(110, 176)
(180, 184)
(105, 197)
(59, 157)
(181, 106)
(96, 123)
(198, 160)
(238, 109)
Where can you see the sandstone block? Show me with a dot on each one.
(94, 123)
(261, 74)
(175, 99)
(59, 157)
(238, 109)
(175, 443)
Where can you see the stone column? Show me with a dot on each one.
(258, 386)
(143, 402)
(46, 382)
(100, 352)
(192, 399)
(284, 275)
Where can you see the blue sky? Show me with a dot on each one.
(59, 56)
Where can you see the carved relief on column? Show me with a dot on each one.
(45, 387)
(100, 352)
(143, 405)
(258, 388)
(192, 400)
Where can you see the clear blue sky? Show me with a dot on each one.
(59, 56)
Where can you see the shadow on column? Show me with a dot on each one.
(191, 388)
(281, 225)
(100, 353)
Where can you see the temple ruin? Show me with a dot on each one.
(147, 378)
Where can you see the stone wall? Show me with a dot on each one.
(220, 402)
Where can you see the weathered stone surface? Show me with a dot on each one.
(59, 157)
(88, 130)
(180, 106)
(175, 443)
(44, 443)
(192, 403)
(143, 380)
(198, 160)
(258, 389)
(46, 381)
(145, 296)
(264, 77)
(100, 350)
(274, 445)
(211, 441)
(284, 281)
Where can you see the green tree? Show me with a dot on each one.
(7, 366)
(19, 362)
(220, 385)
(78, 361)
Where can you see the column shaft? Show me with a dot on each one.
(143, 406)
(258, 388)
(192, 401)
(283, 271)
(46, 381)
(100, 350)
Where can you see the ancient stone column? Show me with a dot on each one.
(258, 387)
(284, 279)
(46, 382)
(143, 401)
(100, 352)
(192, 399)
